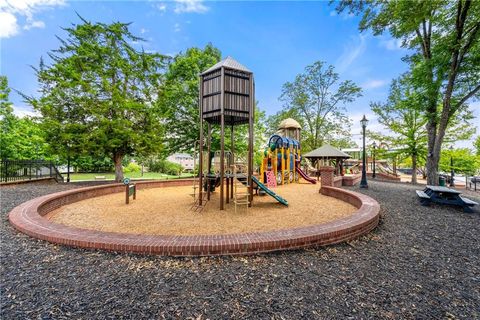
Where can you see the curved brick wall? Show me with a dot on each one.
(28, 218)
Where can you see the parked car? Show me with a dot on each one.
(475, 179)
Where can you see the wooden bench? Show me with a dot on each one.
(424, 198)
(468, 202)
(444, 196)
(100, 178)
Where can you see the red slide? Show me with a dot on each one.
(304, 175)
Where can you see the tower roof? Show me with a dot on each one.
(289, 123)
(228, 62)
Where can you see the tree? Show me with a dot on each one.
(179, 99)
(97, 96)
(476, 144)
(445, 56)
(318, 98)
(21, 138)
(402, 116)
(464, 161)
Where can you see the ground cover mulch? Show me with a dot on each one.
(167, 211)
(419, 263)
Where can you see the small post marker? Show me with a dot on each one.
(130, 189)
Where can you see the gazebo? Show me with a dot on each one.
(327, 155)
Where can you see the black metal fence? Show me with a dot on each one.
(15, 170)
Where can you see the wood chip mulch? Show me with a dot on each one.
(419, 263)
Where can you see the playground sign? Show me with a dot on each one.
(130, 190)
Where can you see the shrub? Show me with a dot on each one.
(132, 167)
(164, 166)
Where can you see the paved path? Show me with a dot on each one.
(419, 263)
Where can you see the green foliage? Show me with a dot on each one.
(402, 115)
(464, 161)
(132, 167)
(21, 138)
(165, 166)
(444, 58)
(98, 94)
(179, 99)
(316, 99)
(86, 163)
(476, 144)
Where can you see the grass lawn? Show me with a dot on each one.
(131, 175)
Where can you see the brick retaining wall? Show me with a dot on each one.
(28, 218)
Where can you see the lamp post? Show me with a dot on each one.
(452, 173)
(363, 182)
(374, 145)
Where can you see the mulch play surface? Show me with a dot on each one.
(166, 211)
(419, 263)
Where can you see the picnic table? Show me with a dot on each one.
(444, 195)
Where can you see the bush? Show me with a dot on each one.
(132, 167)
(164, 166)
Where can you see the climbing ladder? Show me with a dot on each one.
(197, 204)
(241, 192)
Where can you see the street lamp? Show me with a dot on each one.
(374, 145)
(363, 182)
(452, 174)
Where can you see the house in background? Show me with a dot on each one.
(183, 159)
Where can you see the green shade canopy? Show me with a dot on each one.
(326, 151)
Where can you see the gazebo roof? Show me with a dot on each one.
(326, 151)
(228, 62)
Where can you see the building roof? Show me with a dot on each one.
(228, 62)
(326, 151)
(289, 123)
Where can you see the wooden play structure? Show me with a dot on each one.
(226, 99)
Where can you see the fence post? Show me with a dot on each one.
(6, 170)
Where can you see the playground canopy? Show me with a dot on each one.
(327, 153)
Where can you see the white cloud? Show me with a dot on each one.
(372, 84)
(190, 6)
(34, 24)
(161, 7)
(143, 30)
(351, 52)
(8, 25)
(391, 44)
(344, 15)
(11, 10)
(176, 27)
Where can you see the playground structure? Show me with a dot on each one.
(281, 162)
(226, 98)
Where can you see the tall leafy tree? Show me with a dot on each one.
(403, 117)
(318, 99)
(476, 144)
(443, 37)
(21, 138)
(97, 96)
(179, 100)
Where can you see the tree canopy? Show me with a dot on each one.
(97, 96)
(444, 59)
(317, 98)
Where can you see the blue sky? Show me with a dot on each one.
(276, 40)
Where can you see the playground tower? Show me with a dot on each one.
(227, 98)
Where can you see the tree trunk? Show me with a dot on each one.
(117, 159)
(414, 169)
